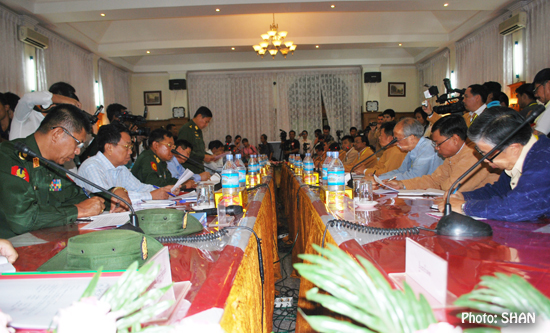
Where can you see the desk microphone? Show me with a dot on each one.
(350, 182)
(20, 146)
(455, 224)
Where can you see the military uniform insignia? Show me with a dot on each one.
(196, 128)
(157, 159)
(22, 156)
(35, 162)
(20, 172)
(55, 185)
(144, 252)
(154, 166)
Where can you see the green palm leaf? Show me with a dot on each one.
(360, 292)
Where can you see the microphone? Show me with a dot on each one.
(350, 182)
(455, 224)
(20, 146)
(194, 162)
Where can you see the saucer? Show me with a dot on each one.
(366, 204)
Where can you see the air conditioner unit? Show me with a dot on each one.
(513, 24)
(29, 36)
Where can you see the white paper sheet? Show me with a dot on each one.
(379, 181)
(187, 174)
(32, 303)
(26, 239)
(108, 220)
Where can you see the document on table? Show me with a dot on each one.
(379, 181)
(185, 176)
(429, 192)
(107, 220)
(32, 302)
(26, 239)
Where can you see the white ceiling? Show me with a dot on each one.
(190, 34)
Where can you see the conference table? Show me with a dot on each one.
(226, 292)
(514, 248)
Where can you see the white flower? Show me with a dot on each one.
(441, 328)
(88, 315)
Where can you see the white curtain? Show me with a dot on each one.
(537, 38)
(114, 84)
(241, 104)
(303, 93)
(479, 56)
(64, 61)
(433, 71)
(12, 57)
(300, 106)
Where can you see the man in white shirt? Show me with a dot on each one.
(33, 107)
(304, 140)
(541, 90)
(215, 148)
(107, 168)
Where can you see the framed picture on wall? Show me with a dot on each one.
(152, 97)
(397, 89)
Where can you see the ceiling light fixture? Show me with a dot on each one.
(332, 6)
(148, 52)
(400, 44)
(273, 42)
(233, 48)
(217, 9)
(316, 46)
(102, 14)
(445, 4)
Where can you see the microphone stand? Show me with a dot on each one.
(20, 146)
(455, 224)
(350, 183)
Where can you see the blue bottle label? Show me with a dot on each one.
(308, 166)
(230, 179)
(336, 177)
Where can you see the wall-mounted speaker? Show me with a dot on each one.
(177, 84)
(373, 77)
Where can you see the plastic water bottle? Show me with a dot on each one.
(298, 165)
(324, 169)
(308, 177)
(253, 171)
(242, 171)
(230, 183)
(336, 184)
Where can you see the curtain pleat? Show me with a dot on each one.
(114, 85)
(12, 56)
(432, 72)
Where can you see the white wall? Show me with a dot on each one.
(379, 91)
(140, 83)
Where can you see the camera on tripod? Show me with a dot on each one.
(127, 117)
(451, 103)
(282, 135)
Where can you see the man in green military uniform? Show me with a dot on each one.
(192, 132)
(35, 196)
(150, 166)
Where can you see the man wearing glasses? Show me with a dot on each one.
(421, 159)
(34, 196)
(541, 90)
(449, 139)
(522, 190)
(150, 166)
(108, 169)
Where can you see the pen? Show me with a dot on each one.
(393, 178)
(457, 187)
(169, 193)
(374, 173)
(86, 193)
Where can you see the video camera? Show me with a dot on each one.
(451, 103)
(136, 120)
(93, 118)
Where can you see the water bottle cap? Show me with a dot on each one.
(335, 154)
(237, 155)
(229, 157)
(308, 154)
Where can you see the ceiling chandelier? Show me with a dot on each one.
(274, 41)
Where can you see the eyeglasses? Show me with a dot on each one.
(436, 146)
(169, 145)
(401, 139)
(535, 89)
(488, 158)
(128, 146)
(79, 144)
